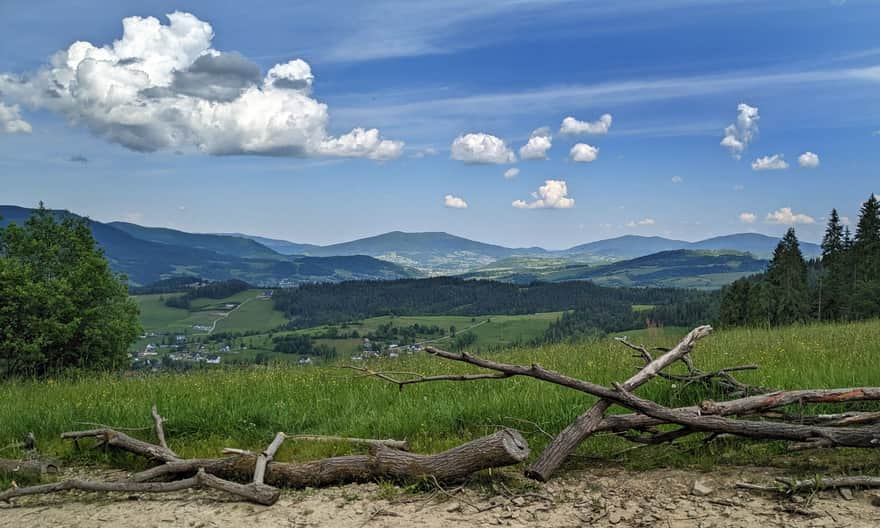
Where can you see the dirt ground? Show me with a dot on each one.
(600, 498)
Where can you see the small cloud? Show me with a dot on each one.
(181, 208)
(767, 163)
(78, 158)
(11, 121)
(747, 218)
(808, 160)
(481, 148)
(571, 126)
(739, 188)
(454, 202)
(552, 195)
(427, 151)
(677, 179)
(737, 136)
(876, 132)
(786, 216)
(642, 222)
(583, 153)
(540, 141)
(511, 173)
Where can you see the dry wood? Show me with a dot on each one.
(413, 377)
(265, 457)
(259, 494)
(159, 428)
(33, 469)
(811, 485)
(503, 448)
(402, 445)
(113, 438)
(585, 425)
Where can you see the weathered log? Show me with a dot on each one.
(503, 448)
(31, 469)
(258, 493)
(158, 422)
(113, 438)
(265, 457)
(585, 425)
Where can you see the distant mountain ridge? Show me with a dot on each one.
(442, 253)
(147, 254)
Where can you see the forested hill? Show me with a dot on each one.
(607, 308)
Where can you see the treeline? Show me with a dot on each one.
(213, 290)
(843, 285)
(303, 346)
(169, 285)
(605, 308)
(690, 309)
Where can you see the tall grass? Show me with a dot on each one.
(211, 409)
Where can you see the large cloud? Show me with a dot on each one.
(583, 153)
(786, 216)
(552, 195)
(540, 141)
(571, 126)
(481, 148)
(766, 163)
(738, 135)
(11, 121)
(164, 87)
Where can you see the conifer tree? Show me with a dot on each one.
(788, 289)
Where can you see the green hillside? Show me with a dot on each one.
(222, 244)
(705, 270)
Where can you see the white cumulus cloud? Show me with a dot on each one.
(511, 173)
(454, 202)
(552, 195)
(786, 216)
(583, 153)
(481, 148)
(738, 135)
(642, 222)
(162, 86)
(11, 121)
(539, 143)
(572, 126)
(809, 160)
(677, 179)
(774, 162)
(747, 218)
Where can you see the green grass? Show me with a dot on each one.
(208, 410)
(254, 314)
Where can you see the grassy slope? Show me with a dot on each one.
(256, 314)
(212, 409)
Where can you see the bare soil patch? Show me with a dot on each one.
(605, 497)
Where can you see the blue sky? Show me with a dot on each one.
(135, 135)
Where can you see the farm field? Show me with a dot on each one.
(254, 313)
(210, 409)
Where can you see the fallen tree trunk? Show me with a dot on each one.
(586, 424)
(30, 469)
(503, 448)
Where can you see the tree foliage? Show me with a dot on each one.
(843, 285)
(60, 305)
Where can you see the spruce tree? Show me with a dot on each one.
(788, 288)
(831, 284)
(866, 261)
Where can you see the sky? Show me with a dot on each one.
(518, 122)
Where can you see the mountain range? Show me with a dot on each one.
(146, 254)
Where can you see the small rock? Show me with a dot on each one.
(846, 493)
(454, 507)
(701, 489)
(518, 501)
(615, 517)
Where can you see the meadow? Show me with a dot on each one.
(211, 409)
